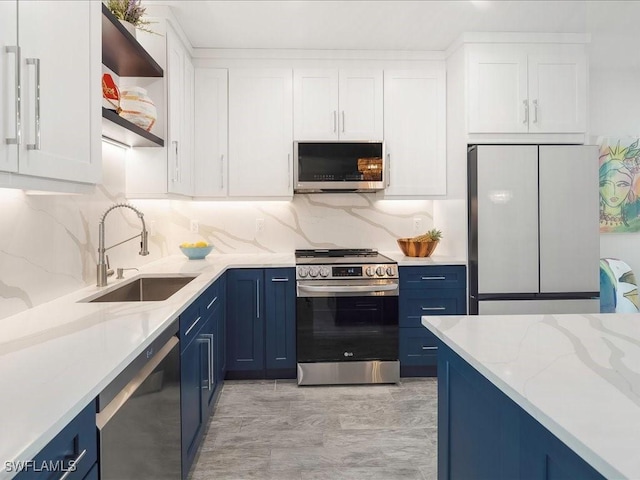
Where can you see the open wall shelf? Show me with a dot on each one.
(123, 55)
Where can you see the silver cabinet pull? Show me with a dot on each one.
(276, 279)
(439, 277)
(192, 325)
(75, 462)
(175, 164)
(222, 172)
(36, 144)
(335, 121)
(208, 337)
(432, 309)
(211, 303)
(429, 348)
(342, 121)
(288, 170)
(17, 139)
(535, 111)
(388, 169)
(526, 111)
(257, 298)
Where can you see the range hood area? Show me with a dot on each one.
(329, 167)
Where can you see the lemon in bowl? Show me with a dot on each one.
(197, 250)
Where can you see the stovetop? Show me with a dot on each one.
(351, 256)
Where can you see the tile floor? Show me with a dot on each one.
(273, 429)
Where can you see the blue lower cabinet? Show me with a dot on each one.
(94, 473)
(245, 325)
(482, 433)
(280, 322)
(192, 419)
(426, 290)
(74, 451)
(261, 323)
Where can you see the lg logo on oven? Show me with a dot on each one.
(348, 354)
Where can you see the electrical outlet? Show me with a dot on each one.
(259, 224)
(417, 224)
(194, 226)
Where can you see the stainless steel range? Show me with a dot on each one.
(346, 317)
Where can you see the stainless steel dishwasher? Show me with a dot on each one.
(139, 416)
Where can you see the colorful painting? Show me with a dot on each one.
(619, 185)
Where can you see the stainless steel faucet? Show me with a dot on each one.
(103, 263)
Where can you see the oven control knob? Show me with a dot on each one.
(324, 272)
(370, 271)
(313, 272)
(380, 271)
(303, 271)
(390, 271)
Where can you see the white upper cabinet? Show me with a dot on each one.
(338, 104)
(59, 64)
(527, 89)
(210, 129)
(180, 78)
(260, 132)
(415, 131)
(8, 86)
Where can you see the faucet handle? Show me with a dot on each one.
(120, 271)
(109, 271)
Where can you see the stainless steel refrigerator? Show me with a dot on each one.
(534, 242)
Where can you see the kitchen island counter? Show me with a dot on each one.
(577, 375)
(57, 357)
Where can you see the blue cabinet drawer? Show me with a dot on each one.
(418, 346)
(191, 321)
(73, 450)
(436, 277)
(414, 304)
(212, 298)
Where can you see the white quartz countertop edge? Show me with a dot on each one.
(439, 326)
(57, 357)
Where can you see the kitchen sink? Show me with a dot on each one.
(144, 289)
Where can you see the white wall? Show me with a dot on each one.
(615, 111)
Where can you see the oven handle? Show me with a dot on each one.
(347, 288)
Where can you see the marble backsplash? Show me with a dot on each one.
(48, 243)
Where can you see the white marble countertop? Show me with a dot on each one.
(405, 261)
(57, 357)
(578, 375)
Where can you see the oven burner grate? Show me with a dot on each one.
(338, 252)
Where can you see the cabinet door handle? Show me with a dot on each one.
(36, 144)
(192, 325)
(209, 339)
(535, 111)
(526, 111)
(211, 303)
(335, 121)
(429, 348)
(75, 462)
(17, 139)
(288, 170)
(388, 169)
(342, 121)
(258, 299)
(439, 277)
(433, 309)
(276, 279)
(174, 177)
(222, 172)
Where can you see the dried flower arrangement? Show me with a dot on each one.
(130, 11)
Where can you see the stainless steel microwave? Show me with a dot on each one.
(338, 166)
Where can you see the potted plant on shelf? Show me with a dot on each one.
(130, 13)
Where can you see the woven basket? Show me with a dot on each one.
(412, 248)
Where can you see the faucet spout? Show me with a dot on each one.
(102, 267)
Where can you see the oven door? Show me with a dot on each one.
(355, 320)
